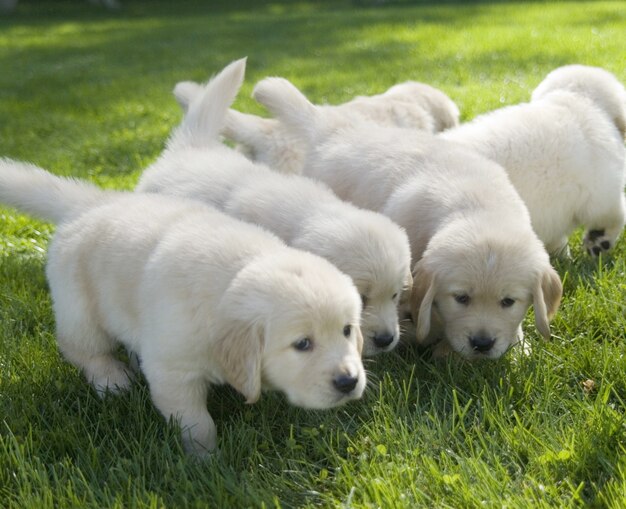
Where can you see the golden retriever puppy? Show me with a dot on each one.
(479, 263)
(200, 297)
(564, 153)
(411, 104)
(368, 247)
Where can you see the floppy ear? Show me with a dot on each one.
(404, 306)
(238, 351)
(359, 340)
(409, 282)
(422, 296)
(546, 300)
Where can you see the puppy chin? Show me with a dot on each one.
(324, 399)
(370, 349)
(464, 350)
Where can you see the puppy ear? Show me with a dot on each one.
(409, 283)
(359, 340)
(404, 306)
(546, 300)
(422, 296)
(238, 351)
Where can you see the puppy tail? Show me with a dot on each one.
(206, 111)
(185, 92)
(289, 105)
(246, 129)
(35, 191)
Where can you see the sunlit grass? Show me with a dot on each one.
(87, 92)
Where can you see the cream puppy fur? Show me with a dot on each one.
(564, 153)
(306, 214)
(479, 263)
(200, 297)
(411, 104)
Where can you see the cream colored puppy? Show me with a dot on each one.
(411, 104)
(368, 247)
(200, 297)
(479, 263)
(564, 153)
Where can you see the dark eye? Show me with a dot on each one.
(394, 296)
(507, 302)
(462, 298)
(347, 330)
(302, 345)
(364, 300)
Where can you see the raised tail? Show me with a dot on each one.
(205, 114)
(35, 191)
(247, 129)
(289, 105)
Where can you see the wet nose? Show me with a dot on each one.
(345, 383)
(481, 343)
(383, 340)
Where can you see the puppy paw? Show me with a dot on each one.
(596, 242)
(112, 378)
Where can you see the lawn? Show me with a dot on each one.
(87, 92)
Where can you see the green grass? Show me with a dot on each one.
(87, 92)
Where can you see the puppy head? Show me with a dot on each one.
(290, 322)
(594, 83)
(479, 289)
(375, 253)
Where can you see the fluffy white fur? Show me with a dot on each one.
(564, 153)
(411, 104)
(200, 297)
(306, 214)
(479, 263)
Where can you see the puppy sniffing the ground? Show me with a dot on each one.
(368, 247)
(201, 298)
(564, 153)
(479, 263)
(410, 104)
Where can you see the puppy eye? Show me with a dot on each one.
(507, 302)
(302, 345)
(347, 330)
(395, 295)
(364, 300)
(462, 298)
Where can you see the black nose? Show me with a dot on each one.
(481, 343)
(345, 383)
(383, 340)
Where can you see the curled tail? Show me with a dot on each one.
(40, 193)
(289, 105)
(207, 108)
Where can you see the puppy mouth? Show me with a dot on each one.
(481, 351)
(382, 342)
(340, 399)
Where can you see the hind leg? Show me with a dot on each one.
(600, 240)
(560, 249)
(604, 229)
(83, 343)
